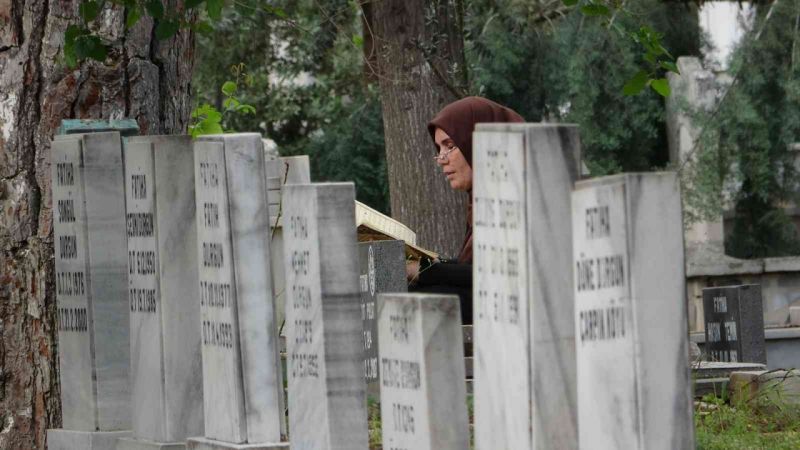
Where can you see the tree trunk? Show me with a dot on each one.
(421, 69)
(141, 79)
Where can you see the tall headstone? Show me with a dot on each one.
(382, 268)
(166, 375)
(280, 172)
(734, 323)
(524, 370)
(91, 282)
(325, 351)
(242, 382)
(630, 314)
(423, 393)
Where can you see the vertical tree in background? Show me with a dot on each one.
(141, 78)
(419, 47)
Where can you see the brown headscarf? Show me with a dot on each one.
(458, 120)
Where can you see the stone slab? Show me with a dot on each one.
(58, 439)
(242, 383)
(91, 278)
(382, 268)
(765, 388)
(325, 359)
(125, 127)
(166, 374)
(734, 324)
(523, 286)
(423, 395)
(714, 369)
(631, 330)
(144, 444)
(210, 444)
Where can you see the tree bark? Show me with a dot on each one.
(421, 69)
(142, 79)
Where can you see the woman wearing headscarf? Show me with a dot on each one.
(451, 131)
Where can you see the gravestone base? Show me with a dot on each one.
(143, 444)
(210, 444)
(59, 439)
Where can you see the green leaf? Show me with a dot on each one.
(193, 3)
(154, 8)
(358, 41)
(203, 27)
(246, 109)
(214, 8)
(89, 10)
(69, 56)
(210, 127)
(276, 11)
(207, 112)
(595, 10)
(636, 84)
(166, 29)
(569, 2)
(671, 66)
(230, 103)
(229, 88)
(134, 14)
(661, 86)
(72, 33)
(650, 57)
(89, 46)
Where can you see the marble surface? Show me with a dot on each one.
(423, 393)
(632, 339)
(382, 268)
(325, 365)
(146, 444)
(525, 388)
(59, 439)
(242, 381)
(91, 276)
(734, 324)
(210, 444)
(166, 375)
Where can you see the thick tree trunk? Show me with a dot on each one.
(421, 69)
(142, 79)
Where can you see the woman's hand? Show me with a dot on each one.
(412, 270)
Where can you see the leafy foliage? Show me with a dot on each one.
(206, 119)
(744, 149)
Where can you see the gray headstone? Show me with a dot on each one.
(734, 323)
(242, 383)
(524, 371)
(91, 278)
(166, 375)
(630, 314)
(325, 350)
(423, 392)
(382, 268)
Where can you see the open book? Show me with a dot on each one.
(374, 226)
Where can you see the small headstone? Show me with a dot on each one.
(91, 278)
(423, 393)
(382, 269)
(524, 368)
(630, 313)
(166, 373)
(734, 321)
(325, 350)
(242, 382)
(279, 172)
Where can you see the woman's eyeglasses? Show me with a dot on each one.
(444, 155)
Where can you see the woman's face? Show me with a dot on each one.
(452, 161)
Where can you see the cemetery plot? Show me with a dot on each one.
(524, 367)
(163, 290)
(734, 324)
(382, 268)
(92, 315)
(242, 384)
(325, 357)
(630, 317)
(423, 396)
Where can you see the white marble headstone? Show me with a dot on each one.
(630, 314)
(325, 365)
(166, 375)
(242, 382)
(423, 392)
(90, 259)
(524, 371)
